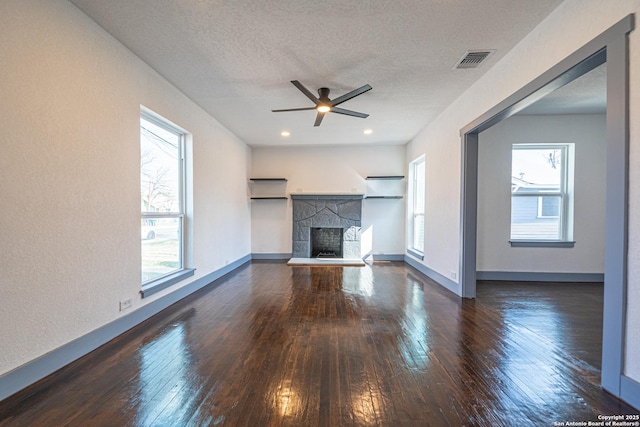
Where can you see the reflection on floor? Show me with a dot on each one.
(340, 262)
(379, 345)
(567, 314)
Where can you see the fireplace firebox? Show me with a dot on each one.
(326, 242)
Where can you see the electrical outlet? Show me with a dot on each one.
(126, 304)
(453, 275)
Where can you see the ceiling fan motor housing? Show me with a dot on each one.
(324, 95)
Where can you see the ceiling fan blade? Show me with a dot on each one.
(294, 109)
(319, 118)
(347, 96)
(306, 91)
(349, 113)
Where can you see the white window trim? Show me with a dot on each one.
(564, 240)
(159, 283)
(411, 249)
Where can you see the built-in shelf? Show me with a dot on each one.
(269, 198)
(268, 188)
(383, 197)
(386, 177)
(382, 190)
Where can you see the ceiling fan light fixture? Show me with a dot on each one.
(324, 104)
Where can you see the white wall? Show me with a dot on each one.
(570, 26)
(330, 170)
(69, 178)
(494, 194)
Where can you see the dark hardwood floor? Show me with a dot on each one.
(381, 345)
(569, 314)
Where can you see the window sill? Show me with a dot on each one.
(416, 254)
(151, 288)
(541, 244)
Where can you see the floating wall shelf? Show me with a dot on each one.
(388, 190)
(268, 188)
(269, 198)
(383, 197)
(386, 177)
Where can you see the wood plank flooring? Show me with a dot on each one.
(380, 345)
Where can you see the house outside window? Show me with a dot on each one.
(416, 206)
(541, 189)
(161, 198)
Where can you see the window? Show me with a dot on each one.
(416, 205)
(540, 192)
(161, 198)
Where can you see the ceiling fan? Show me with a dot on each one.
(325, 105)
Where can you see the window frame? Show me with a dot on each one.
(414, 210)
(158, 283)
(564, 193)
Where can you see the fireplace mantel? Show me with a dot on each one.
(310, 196)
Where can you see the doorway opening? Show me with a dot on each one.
(609, 47)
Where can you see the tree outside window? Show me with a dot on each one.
(161, 198)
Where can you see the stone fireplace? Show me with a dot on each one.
(327, 225)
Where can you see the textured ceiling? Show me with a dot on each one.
(235, 58)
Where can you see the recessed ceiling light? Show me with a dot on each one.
(285, 133)
(368, 132)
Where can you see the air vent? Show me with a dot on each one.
(473, 58)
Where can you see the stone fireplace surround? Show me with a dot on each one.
(331, 211)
